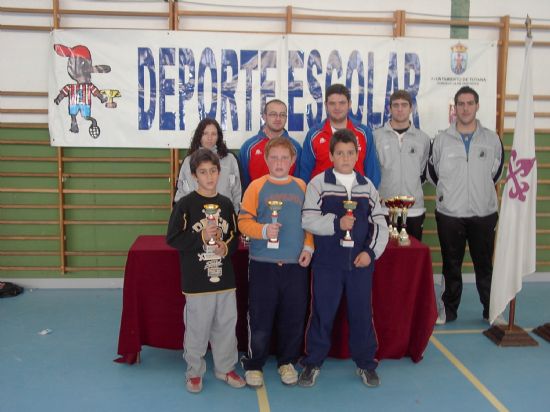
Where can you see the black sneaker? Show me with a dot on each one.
(369, 377)
(308, 376)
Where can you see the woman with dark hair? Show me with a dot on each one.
(209, 135)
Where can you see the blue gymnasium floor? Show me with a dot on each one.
(71, 369)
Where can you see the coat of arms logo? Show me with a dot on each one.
(459, 58)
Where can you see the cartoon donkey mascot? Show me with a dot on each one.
(80, 69)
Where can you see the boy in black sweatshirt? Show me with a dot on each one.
(203, 229)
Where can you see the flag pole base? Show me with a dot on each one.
(502, 335)
(543, 331)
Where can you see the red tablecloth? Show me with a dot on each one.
(152, 309)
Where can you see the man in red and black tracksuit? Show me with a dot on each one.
(252, 154)
(315, 151)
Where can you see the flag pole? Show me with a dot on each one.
(514, 335)
(512, 314)
(511, 334)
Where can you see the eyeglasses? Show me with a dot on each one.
(275, 114)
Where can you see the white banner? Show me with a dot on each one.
(133, 88)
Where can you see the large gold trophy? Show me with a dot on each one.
(350, 206)
(214, 271)
(275, 206)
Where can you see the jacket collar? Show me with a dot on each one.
(262, 135)
(411, 129)
(453, 131)
(328, 128)
(330, 177)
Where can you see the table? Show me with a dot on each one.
(404, 304)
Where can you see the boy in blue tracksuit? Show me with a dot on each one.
(338, 269)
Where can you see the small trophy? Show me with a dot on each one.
(274, 206)
(393, 211)
(406, 202)
(111, 94)
(350, 206)
(210, 210)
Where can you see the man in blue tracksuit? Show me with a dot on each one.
(347, 268)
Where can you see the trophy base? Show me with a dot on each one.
(394, 234)
(404, 241)
(111, 105)
(346, 243)
(214, 279)
(272, 245)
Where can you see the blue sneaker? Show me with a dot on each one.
(369, 377)
(308, 376)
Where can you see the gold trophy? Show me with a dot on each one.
(392, 204)
(210, 211)
(213, 261)
(111, 94)
(274, 206)
(405, 202)
(350, 206)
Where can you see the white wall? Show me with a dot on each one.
(25, 53)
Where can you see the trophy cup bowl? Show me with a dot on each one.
(210, 210)
(111, 94)
(406, 202)
(275, 206)
(350, 206)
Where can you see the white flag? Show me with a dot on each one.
(515, 252)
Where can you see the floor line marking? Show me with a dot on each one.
(466, 331)
(263, 402)
(469, 375)
(457, 331)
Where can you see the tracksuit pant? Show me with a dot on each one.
(210, 317)
(415, 226)
(328, 286)
(277, 295)
(453, 233)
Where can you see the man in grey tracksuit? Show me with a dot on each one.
(465, 164)
(403, 154)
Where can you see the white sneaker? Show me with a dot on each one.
(289, 376)
(232, 379)
(194, 385)
(441, 317)
(254, 378)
